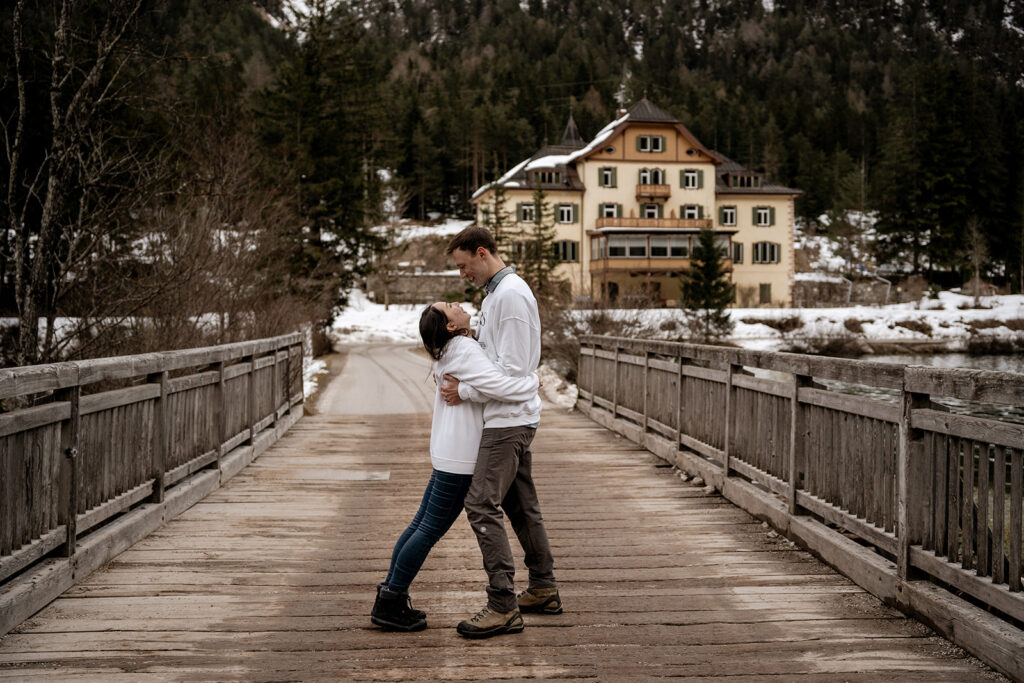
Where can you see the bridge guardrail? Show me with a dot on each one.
(101, 437)
(937, 493)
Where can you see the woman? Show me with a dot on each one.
(454, 439)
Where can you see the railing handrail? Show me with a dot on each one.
(31, 379)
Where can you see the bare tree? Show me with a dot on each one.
(61, 206)
(394, 244)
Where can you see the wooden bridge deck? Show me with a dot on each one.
(272, 577)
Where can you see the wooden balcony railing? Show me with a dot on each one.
(655, 223)
(653, 191)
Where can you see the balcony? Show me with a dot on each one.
(653, 191)
(644, 266)
(654, 223)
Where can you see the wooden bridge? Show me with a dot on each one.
(270, 575)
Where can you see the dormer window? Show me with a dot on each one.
(547, 177)
(745, 181)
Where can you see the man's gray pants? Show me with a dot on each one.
(502, 479)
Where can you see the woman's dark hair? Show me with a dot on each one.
(434, 331)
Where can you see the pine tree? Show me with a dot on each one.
(706, 291)
(534, 251)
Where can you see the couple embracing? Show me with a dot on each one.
(486, 413)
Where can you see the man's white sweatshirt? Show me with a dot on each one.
(455, 430)
(509, 333)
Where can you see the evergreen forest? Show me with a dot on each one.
(166, 158)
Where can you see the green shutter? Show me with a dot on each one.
(700, 211)
(661, 210)
(753, 215)
(615, 177)
(682, 178)
(618, 210)
(700, 179)
(771, 215)
(519, 212)
(575, 213)
(638, 143)
(721, 215)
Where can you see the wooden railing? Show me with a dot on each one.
(93, 440)
(936, 493)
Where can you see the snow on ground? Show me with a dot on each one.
(364, 321)
(312, 368)
(410, 230)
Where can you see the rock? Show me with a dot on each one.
(697, 481)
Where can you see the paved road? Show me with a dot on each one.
(388, 378)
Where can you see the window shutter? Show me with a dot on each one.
(638, 148)
(575, 213)
(615, 175)
(700, 179)
(519, 212)
(700, 211)
(771, 215)
(661, 210)
(721, 215)
(618, 210)
(682, 179)
(753, 215)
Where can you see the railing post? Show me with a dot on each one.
(615, 384)
(593, 372)
(729, 408)
(69, 441)
(220, 410)
(287, 379)
(275, 388)
(647, 357)
(679, 396)
(911, 445)
(797, 431)
(161, 436)
(251, 397)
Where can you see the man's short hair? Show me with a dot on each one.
(471, 239)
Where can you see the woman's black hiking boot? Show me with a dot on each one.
(418, 612)
(393, 611)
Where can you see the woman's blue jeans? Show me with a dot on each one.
(440, 507)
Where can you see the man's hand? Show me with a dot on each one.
(450, 390)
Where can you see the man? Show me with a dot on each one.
(509, 332)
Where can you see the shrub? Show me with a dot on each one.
(916, 326)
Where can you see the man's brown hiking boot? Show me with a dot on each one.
(541, 600)
(489, 623)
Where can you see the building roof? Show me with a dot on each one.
(729, 167)
(561, 157)
(645, 112)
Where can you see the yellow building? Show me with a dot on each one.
(628, 207)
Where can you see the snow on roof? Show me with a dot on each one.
(550, 161)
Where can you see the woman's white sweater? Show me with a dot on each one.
(455, 430)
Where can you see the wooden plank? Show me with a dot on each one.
(999, 597)
(708, 374)
(830, 513)
(970, 427)
(953, 498)
(200, 379)
(986, 386)
(114, 506)
(1016, 495)
(237, 370)
(967, 500)
(37, 379)
(27, 419)
(190, 467)
(265, 361)
(849, 403)
(762, 385)
(998, 512)
(109, 400)
(982, 532)
(33, 551)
